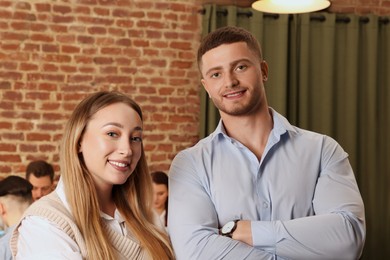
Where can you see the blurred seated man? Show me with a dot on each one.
(15, 197)
(40, 174)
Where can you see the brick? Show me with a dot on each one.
(4, 147)
(10, 158)
(97, 30)
(62, 9)
(38, 95)
(50, 67)
(159, 63)
(24, 126)
(29, 106)
(159, 157)
(151, 24)
(9, 65)
(79, 78)
(42, 7)
(121, 13)
(39, 37)
(124, 23)
(49, 127)
(53, 116)
(5, 170)
(123, 42)
(28, 66)
(28, 148)
(85, 39)
(62, 19)
(50, 106)
(18, 15)
(5, 125)
(50, 48)
(12, 136)
(150, 34)
(10, 36)
(12, 95)
(45, 148)
(5, 14)
(181, 64)
(37, 137)
(30, 115)
(5, 85)
(101, 11)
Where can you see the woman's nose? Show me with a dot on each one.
(125, 148)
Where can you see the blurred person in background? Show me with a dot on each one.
(40, 174)
(15, 198)
(160, 187)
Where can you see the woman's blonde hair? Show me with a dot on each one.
(133, 198)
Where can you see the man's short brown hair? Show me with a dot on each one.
(227, 35)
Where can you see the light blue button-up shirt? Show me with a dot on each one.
(302, 198)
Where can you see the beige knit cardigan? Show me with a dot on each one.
(52, 208)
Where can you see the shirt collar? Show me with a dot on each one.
(61, 193)
(281, 126)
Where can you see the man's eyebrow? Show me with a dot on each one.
(211, 69)
(233, 63)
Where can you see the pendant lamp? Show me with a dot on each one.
(290, 6)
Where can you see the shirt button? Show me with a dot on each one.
(265, 205)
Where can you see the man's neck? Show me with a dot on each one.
(252, 130)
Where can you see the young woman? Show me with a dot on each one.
(160, 187)
(102, 206)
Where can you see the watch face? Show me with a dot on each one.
(227, 228)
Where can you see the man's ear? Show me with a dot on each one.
(205, 86)
(2, 209)
(264, 70)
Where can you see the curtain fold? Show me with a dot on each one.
(328, 73)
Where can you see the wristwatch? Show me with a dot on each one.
(228, 229)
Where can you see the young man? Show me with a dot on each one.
(15, 197)
(40, 174)
(258, 187)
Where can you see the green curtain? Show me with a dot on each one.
(329, 73)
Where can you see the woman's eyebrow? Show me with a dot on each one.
(137, 128)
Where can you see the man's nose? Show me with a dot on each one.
(231, 80)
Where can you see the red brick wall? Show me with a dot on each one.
(379, 7)
(53, 53)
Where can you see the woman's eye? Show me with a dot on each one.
(112, 134)
(136, 139)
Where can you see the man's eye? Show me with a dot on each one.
(215, 75)
(241, 67)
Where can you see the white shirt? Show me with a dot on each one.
(40, 239)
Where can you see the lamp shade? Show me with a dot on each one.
(290, 6)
